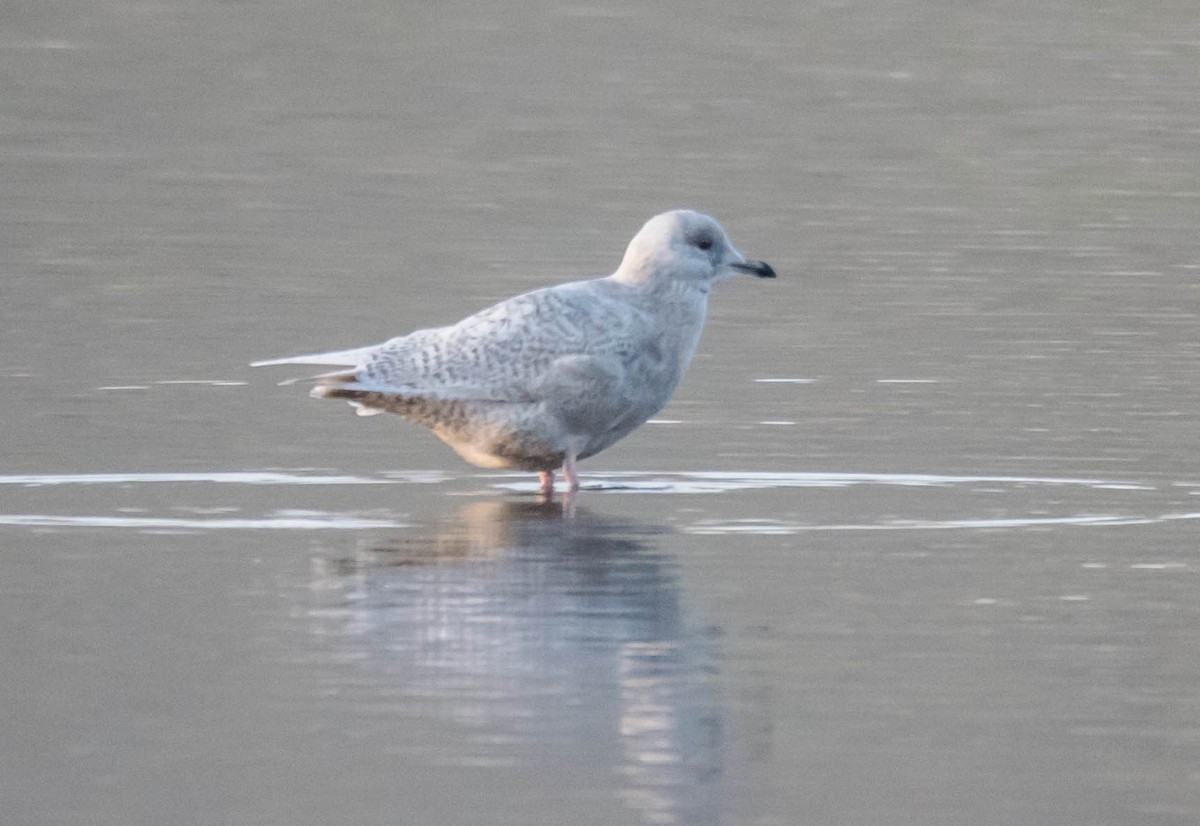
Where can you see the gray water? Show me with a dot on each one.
(916, 542)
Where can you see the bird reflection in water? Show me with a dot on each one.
(545, 636)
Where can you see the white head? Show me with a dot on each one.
(684, 246)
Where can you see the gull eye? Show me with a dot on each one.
(704, 242)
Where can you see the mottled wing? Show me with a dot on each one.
(507, 352)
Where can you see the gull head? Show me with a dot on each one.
(684, 247)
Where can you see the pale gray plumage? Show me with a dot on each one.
(544, 379)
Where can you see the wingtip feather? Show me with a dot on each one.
(336, 358)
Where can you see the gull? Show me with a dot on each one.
(548, 378)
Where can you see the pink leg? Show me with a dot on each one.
(570, 473)
(547, 477)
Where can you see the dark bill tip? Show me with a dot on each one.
(760, 269)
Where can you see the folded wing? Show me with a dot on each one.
(505, 354)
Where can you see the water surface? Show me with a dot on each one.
(915, 542)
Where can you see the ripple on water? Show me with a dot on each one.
(731, 481)
(1034, 510)
(771, 527)
(231, 477)
(307, 521)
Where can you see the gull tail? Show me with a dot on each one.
(346, 386)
